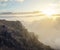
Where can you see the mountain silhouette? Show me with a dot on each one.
(14, 36)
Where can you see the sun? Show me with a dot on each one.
(48, 11)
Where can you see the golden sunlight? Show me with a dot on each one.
(48, 11)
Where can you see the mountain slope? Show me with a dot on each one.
(14, 36)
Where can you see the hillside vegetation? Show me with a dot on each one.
(14, 36)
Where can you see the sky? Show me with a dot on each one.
(28, 5)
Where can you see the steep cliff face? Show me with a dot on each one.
(14, 36)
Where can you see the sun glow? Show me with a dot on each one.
(48, 11)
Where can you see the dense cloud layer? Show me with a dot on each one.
(48, 31)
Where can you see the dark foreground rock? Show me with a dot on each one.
(14, 36)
